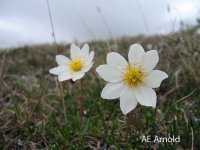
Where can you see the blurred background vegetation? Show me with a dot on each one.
(31, 109)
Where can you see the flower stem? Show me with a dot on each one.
(81, 103)
(63, 101)
(128, 121)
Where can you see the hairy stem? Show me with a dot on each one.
(63, 101)
(128, 121)
(81, 103)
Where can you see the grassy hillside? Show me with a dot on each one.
(31, 108)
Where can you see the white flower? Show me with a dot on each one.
(131, 81)
(81, 62)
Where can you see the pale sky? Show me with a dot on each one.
(24, 22)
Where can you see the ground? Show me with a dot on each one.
(32, 114)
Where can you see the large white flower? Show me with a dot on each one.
(131, 81)
(81, 62)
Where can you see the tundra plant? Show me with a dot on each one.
(75, 68)
(131, 81)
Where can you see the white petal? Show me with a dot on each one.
(90, 58)
(78, 76)
(85, 51)
(155, 78)
(64, 76)
(135, 53)
(109, 73)
(62, 60)
(58, 70)
(116, 59)
(87, 68)
(146, 96)
(128, 101)
(112, 90)
(150, 59)
(74, 51)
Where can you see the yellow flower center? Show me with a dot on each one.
(76, 64)
(133, 74)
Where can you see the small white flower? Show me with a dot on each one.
(81, 62)
(131, 81)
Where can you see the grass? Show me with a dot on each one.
(31, 108)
